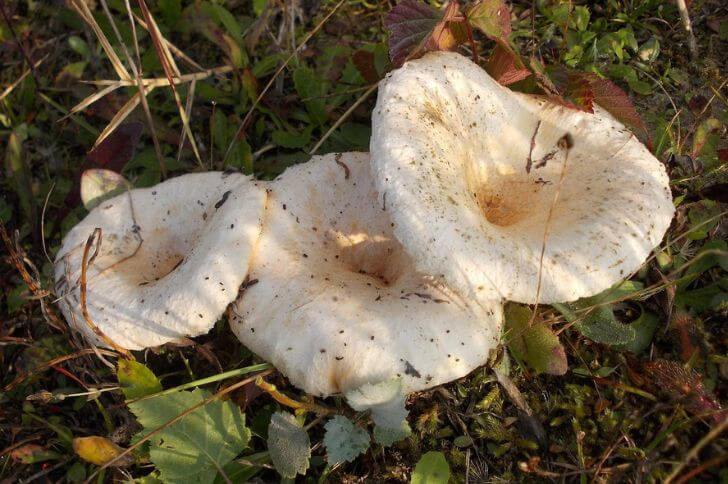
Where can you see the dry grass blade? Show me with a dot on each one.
(92, 99)
(17, 81)
(140, 85)
(564, 143)
(170, 70)
(163, 81)
(179, 417)
(267, 87)
(174, 49)
(188, 110)
(344, 116)
(120, 116)
(82, 8)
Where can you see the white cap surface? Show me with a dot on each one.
(172, 257)
(333, 300)
(450, 151)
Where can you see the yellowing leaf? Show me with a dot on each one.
(99, 450)
(491, 17)
(98, 185)
(136, 380)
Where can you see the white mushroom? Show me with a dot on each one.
(334, 301)
(171, 258)
(471, 170)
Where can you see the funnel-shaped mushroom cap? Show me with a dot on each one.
(171, 259)
(333, 300)
(450, 152)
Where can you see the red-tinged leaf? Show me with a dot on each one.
(532, 340)
(505, 66)
(415, 27)
(491, 17)
(614, 100)
(364, 62)
(685, 385)
(449, 32)
(117, 149)
(408, 24)
(583, 89)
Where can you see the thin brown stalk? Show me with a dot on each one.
(343, 117)
(565, 143)
(271, 389)
(21, 264)
(85, 262)
(695, 450)
(54, 362)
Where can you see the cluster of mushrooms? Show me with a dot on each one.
(357, 268)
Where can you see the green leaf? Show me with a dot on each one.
(344, 441)
(432, 468)
(310, 88)
(580, 18)
(387, 436)
(79, 46)
(197, 446)
(385, 400)
(644, 328)
(599, 324)
(136, 380)
(288, 445)
(649, 51)
(703, 217)
(536, 344)
(289, 139)
(493, 18)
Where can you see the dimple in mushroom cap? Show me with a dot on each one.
(470, 171)
(171, 259)
(334, 301)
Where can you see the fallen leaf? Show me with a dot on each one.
(100, 450)
(415, 27)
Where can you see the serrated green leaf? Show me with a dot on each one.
(344, 441)
(599, 324)
(387, 436)
(197, 446)
(288, 445)
(432, 468)
(385, 400)
(536, 344)
(136, 380)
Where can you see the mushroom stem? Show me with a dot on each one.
(289, 402)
